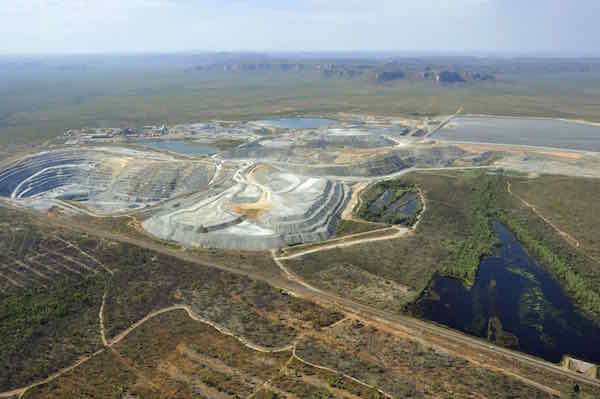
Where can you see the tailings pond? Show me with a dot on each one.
(184, 147)
(515, 303)
(298, 123)
(523, 131)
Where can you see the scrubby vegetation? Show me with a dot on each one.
(52, 321)
(47, 327)
(49, 322)
(456, 232)
(174, 356)
(452, 236)
(348, 227)
(405, 368)
(466, 253)
(102, 377)
(578, 272)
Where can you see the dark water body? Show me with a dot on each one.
(523, 131)
(181, 147)
(409, 204)
(515, 303)
(300, 123)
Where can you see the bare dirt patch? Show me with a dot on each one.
(253, 210)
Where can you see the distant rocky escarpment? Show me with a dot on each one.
(253, 67)
(384, 73)
(388, 76)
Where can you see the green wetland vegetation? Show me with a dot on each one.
(514, 302)
(577, 272)
(456, 233)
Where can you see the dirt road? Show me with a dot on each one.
(330, 370)
(566, 236)
(349, 241)
(197, 318)
(297, 287)
(19, 392)
(400, 232)
(444, 123)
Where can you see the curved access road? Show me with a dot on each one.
(19, 392)
(295, 286)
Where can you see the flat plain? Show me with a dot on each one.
(280, 237)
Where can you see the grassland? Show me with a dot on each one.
(38, 106)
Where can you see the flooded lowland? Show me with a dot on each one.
(515, 303)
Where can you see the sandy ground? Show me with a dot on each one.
(347, 214)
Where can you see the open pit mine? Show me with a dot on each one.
(251, 185)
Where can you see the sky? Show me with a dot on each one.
(545, 27)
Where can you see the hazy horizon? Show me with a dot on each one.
(550, 28)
